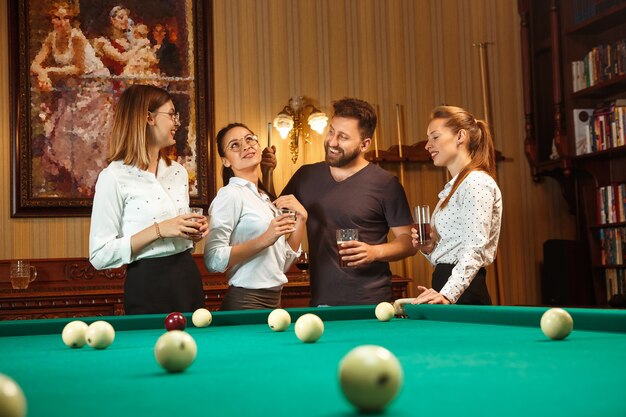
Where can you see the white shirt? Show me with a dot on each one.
(237, 214)
(127, 200)
(469, 228)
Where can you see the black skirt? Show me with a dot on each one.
(475, 294)
(162, 285)
(237, 298)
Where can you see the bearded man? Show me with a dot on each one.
(347, 192)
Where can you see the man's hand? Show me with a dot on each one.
(358, 253)
(268, 160)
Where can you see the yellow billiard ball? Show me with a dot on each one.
(175, 350)
(100, 334)
(12, 400)
(202, 317)
(279, 320)
(309, 328)
(384, 311)
(370, 377)
(73, 334)
(556, 323)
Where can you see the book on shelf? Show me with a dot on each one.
(615, 282)
(601, 128)
(586, 9)
(612, 204)
(612, 246)
(601, 63)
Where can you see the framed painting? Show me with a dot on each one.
(70, 60)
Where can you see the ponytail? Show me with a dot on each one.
(227, 174)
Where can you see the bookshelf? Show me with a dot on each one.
(574, 61)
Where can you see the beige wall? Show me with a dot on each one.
(417, 53)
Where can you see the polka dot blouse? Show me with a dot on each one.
(469, 228)
(128, 200)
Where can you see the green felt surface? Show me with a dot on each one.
(455, 361)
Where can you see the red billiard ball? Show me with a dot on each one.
(175, 321)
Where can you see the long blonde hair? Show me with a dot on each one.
(130, 134)
(479, 144)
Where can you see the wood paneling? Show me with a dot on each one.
(73, 288)
(417, 53)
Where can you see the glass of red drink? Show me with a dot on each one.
(421, 217)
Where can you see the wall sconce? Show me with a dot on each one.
(289, 122)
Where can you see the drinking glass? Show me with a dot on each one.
(421, 218)
(22, 273)
(345, 235)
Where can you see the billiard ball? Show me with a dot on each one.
(556, 323)
(201, 317)
(309, 328)
(100, 334)
(73, 334)
(175, 321)
(175, 350)
(12, 400)
(370, 377)
(279, 320)
(384, 311)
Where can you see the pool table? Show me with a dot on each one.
(457, 360)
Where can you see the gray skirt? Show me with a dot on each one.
(238, 298)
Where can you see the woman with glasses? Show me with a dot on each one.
(135, 219)
(249, 235)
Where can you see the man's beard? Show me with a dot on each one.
(343, 158)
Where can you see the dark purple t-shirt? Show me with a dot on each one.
(372, 200)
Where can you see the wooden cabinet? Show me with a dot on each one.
(73, 288)
(555, 36)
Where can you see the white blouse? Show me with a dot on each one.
(469, 228)
(239, 213)
(127, 200)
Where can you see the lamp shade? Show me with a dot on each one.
(283, 123)
(318, 121)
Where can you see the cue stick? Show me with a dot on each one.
(484, 80)
(268, 178)
(375, 134)
(405, 260)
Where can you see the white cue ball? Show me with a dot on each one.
(175, 350)
(12, 400)
(100, 334)
(279, 320)
(556, 323)
(309, 328)
(370, 377)
(201, 317)
(385, 311)
(73, 334)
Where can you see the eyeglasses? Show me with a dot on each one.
(236, 145)
(174, 116)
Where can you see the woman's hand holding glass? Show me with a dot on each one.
(427, 247)
(279, 226)
(187, 225)
(200, 222)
